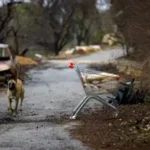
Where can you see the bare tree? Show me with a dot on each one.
(39, 2)
(86, 15)
(6, 15)
(66, 17)
(50, 23)
(60, 14)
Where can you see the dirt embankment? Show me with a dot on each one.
(130, 131)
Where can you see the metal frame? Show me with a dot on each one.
(89, 97)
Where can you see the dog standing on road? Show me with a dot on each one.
(15, 91)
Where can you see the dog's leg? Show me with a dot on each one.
(9, 105)
(16, 107)
(21, 102)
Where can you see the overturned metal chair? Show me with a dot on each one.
(111, 102)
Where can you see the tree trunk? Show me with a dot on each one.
(56, 49)
(15, 67)
(16, 43)
(87, 40)
(1, 40)
(127, 50)
(56, 52)
(79, 41)
(24, 52)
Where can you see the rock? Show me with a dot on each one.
(124, 123)
(80, 51)
(39, 56)
(110, 42)
(121, 138)
(69, 52)
(110, 124)
(109, 39)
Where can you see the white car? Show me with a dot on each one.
(6, 61)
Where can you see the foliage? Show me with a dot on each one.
(87, 21)
(5, 17)
(51, 24)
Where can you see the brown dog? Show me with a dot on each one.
(15, 91)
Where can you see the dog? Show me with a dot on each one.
(15, 91)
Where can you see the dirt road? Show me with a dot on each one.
(51, 94)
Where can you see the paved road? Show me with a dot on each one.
(51, 94)
(100, 56)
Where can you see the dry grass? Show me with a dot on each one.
(26, 61)
(109, 67)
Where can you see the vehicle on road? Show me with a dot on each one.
(6, 62)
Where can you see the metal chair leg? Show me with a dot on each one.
(80, 103)
(86, 99)
(79, 108)
(98, 98)
(108, 105)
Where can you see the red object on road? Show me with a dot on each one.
(71, 65)
(118, 78)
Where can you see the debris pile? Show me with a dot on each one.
(83, 49)
(26, 61)
(109, 39)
